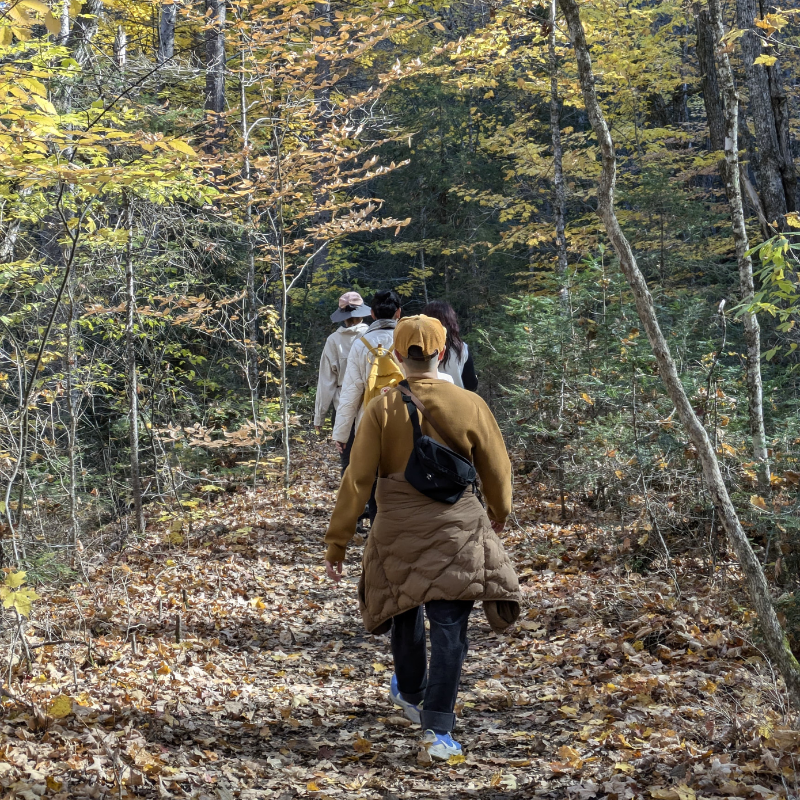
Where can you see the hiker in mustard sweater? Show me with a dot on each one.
(422, 552)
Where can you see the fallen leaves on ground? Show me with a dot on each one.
(611, 686)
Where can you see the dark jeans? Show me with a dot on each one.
(435, 685)
(344, 456)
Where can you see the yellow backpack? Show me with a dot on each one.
(384, 371)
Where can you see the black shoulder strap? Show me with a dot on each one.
(413, 402)
(412, 409)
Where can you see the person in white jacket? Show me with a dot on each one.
(385, 311)
(333, 365)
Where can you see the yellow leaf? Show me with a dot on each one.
(312, 787)
(182, 147)
(624, 766)
(758, 502)
(569, 711)
(587, 398)
(793, 220)
(52, 24)
(164, 669)
(52, 784)
(378, 667)
(362, 745)
(767, 61)
(61, 707)
(456, 759)
(638, 646)
(258, 603)
(15, 579)
(21, 599)
(569, 754)
(438, 26)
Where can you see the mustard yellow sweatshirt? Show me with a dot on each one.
(385, 439)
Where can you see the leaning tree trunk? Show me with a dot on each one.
(776, 643)
(215, 74)
(770, 112)
(133, 382)
(722, 111)
(560, 199)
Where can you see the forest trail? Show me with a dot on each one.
(610, 686)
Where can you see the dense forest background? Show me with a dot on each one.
(187, 188)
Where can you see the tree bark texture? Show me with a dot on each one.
(133, 382)
(715, 115)
(322, 100)
(166, 31)
(215, 73)
(727, 139)
(73, 404)
(251, 304)
(560, 191)
(121, 47)
(769, 109)
(776, 643)
(84, 29)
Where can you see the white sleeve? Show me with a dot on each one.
(352, 394)
(327, 383)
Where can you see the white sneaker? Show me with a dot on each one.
(411, 711)
(440, 745)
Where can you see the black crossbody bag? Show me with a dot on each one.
(439, 472)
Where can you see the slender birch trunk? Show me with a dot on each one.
(731, 176)
(251, 306)
(72, 413)
(775, 639)
(133, 383)
(560, 199)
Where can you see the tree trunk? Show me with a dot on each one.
(560, 199)
(133, 383)
(251, 305)
(121, 47)
(84, 29)
(775, 640)
(731, 173)
(73, 403)
(770, 112)
(322, 100)
(166, 32)
(63, 34)
(215, 74)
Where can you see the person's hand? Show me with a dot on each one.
(334, 571)
(497, 527)
(340, 446)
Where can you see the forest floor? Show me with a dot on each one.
(612, 685)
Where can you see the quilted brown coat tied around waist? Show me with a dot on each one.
(420, 550)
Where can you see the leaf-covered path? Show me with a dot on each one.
(611, 686)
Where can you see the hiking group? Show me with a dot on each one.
(414, 441)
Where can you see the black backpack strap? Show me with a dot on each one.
(412, 409)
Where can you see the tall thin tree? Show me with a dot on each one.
(775, 640)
